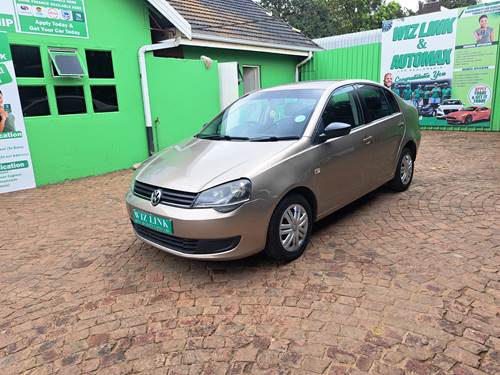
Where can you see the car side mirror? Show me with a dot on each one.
(335, 130)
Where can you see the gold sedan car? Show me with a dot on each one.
(264, 170)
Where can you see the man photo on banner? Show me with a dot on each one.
(435, 99)
(427, 94)
(446, 91)
(388, 80)
(7, 120)
(417, 96)
(407, 93)
(484, 34)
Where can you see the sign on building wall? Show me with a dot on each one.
(16, 170)
(49, 17)
(444, 64)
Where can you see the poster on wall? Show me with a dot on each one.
(443, 63)
(50, 17)
(16, 169)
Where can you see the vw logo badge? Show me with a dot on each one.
(156, 197)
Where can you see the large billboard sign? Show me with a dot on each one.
(16, 169)
(444, 64)
(50, 17)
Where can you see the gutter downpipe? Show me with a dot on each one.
(300, 64)
(170, 43)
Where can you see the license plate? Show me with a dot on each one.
(157, 223)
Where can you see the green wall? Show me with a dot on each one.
(363, 62)
(359, 62)
(66, 147)
(274, 69)
(184, 96)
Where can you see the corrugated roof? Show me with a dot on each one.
(350, 40)
(239, 19)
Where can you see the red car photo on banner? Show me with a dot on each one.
(469, 115)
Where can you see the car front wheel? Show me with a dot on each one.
(290, 228)
(404, 171)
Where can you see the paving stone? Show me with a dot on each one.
(392, 284)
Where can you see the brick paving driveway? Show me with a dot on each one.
(393, 284)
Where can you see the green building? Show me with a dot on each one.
(97, 77)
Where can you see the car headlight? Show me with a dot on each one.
(226, 197)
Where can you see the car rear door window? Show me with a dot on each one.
(392, 101)
(341, 107)
(374, 102)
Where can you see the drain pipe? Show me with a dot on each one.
(297, 68)
(170, 43)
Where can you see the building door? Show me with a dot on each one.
(251, 78)
(184, 96)
(228, 83)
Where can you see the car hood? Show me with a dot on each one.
(459, 114)
(196, 165)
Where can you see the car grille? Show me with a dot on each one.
(187, 246)
(168, 196)
(447, 111)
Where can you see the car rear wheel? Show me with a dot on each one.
(290, 228)
(404, 171)
(468, 119)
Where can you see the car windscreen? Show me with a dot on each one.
(452, 102)
(266, 115)
(470, 109)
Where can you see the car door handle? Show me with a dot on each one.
(401, 124)
(368, 139)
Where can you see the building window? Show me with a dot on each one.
(100, 64)
(104, 99)
(70, 100)
(251, 78)
(66, 63)
(27, 61)
(34, 101)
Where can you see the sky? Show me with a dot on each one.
(413, 4)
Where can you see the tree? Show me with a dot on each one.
(318, 18)
(358, 15)
(452, 4)
(311, 17)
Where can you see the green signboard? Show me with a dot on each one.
(52, 17)
(7, 23)
(444, 64)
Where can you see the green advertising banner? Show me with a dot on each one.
(49, 17)
(476, 50)
(444, 64)
(16, 169)
(52, 17)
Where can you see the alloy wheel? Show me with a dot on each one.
(294, 225)
(406, 169)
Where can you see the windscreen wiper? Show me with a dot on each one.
(274, 139)
(217, 137)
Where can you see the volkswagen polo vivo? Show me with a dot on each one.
(264, 170)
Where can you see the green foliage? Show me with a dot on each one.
(318, 18)
(452, 4)
(311, 17)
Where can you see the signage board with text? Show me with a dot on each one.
(65, 18)
(444, 64)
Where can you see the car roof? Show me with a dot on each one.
(321, 85)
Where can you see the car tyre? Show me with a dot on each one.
(403, 175)
(468, 119)
(292, 217)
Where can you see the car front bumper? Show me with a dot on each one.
(455, 121)
(249, 223)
